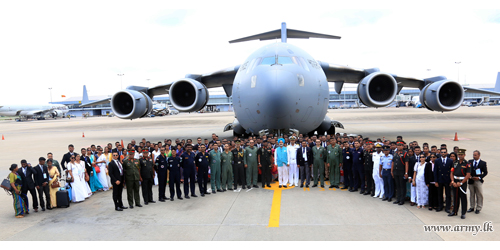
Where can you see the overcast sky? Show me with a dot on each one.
(66, 44)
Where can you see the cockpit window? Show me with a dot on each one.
(281, 60)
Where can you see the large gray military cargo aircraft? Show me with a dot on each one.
(281, 89)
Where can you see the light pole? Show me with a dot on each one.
(458, 63)
(121, 82)
(50, 89)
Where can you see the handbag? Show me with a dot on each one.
(55, 184)
(6, 185)
(97, 169)
(69, 179)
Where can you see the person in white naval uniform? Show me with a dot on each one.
(293, 171)
(379, 182)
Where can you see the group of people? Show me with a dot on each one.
(383, 169)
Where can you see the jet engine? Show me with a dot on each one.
(444, 95)
(188, 95)
(57, 113)
(131, 104)
(377, 89)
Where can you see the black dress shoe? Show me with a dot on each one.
(396, 202)
(344, 187)
(224, 190)
(279, 186)
(470, 210)
(118, 209)
(122, 207)
(180, 198)
(219, 190)
(255, 186)
(131, 207)
(463, 216)
(301, 185)
(439, 210)
(145, 203)
(171, 199)
(162, 200)
(43, 209)
(401, 203)
(362, 191)
(213, 191)
(206, 193)
(230, 189)
(452, 214)
(268, 185)
(323, 186)
(49, 208)
(331, 186)
(447, 211)
(477, 212)
(384, 199)
(187, 197)
(194, 195)
(263, 186)
(138, 205)
(366, 193)
(284, 186)
(354, 190)
(243, 187)
(315, 185)
(389, 200)
(152, 201)
(202, 195)
(307, 186)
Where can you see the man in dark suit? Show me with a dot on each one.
(478, 171)
(442, 170)
(115, 171)
(67, 157)
(86, 159)
(304, 162)
(27, 173)
(42, 183)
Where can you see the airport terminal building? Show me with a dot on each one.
(220, 102)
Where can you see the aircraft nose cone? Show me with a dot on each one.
(280, 96)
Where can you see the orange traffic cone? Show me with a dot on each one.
(456, 137)
(3, 138)
(83, 134)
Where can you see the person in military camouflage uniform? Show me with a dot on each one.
(368, 168)
(238, 166)
(147, 175)
(319, 159)
(265, 155)
(334, 162)
(250, 160)
(460, 174)
(227, 168)
(132, 167)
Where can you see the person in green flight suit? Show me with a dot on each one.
(227, 168)
(319, 159)
(334, 162)
(132, 170)
(250, 160)
(214, 159)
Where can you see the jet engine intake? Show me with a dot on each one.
(444, 95)
(377, 89)
(188, 95)
(131, 104)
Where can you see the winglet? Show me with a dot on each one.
(85, 97)
(497, 84)
(284, 33)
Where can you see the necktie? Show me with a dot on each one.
(120, 167)
(444, 161)
(475, 164)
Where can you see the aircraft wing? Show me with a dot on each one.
(103, 101)
(211, 80)
(342, 74)
(480, 91)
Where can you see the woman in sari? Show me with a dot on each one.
(15, 182)
(108, 157)
(53, 176)
(101, 163)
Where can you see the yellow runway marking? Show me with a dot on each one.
(274, 218)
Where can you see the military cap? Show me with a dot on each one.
(461, 151)
(237, 141)
(387, 148)
(400, 143)
(378, 145)
(131, 150)
(293, 138)
(369, 142)
(145, 150)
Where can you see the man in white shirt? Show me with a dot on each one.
(293, 171)
(378, 181)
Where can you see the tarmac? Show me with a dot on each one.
(309, 215)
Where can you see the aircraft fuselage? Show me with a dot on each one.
(280, 87)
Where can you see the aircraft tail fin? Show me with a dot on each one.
(85, 97)
(283, 34)
(497, 84)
